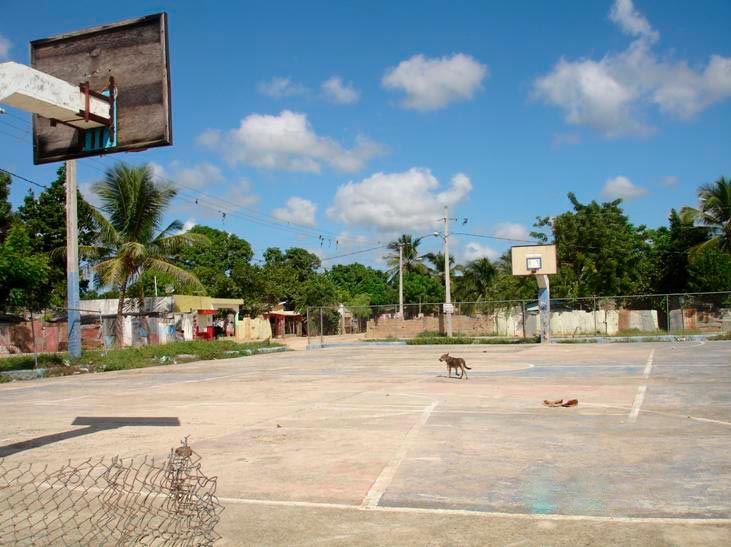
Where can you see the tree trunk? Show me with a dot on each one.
(119, 321)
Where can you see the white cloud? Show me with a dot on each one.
(239, 196)
(632, 22)
(297, 211)
(4, 47)
(669, 181)
(281, 87)
(339, 92)
(209, 138)
(512, 231)
(287, 142)
(410, 200)
(473, 251)
(198, 176)
(158, 172)
(613, 94)
(622, 187)
(188, 225)
(431, 84)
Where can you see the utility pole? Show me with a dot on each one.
(447, 287)
(401, 280)
(72, 264)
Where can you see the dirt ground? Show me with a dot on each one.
(377, 446)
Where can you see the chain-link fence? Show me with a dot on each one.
(633, 315)
(116, 502)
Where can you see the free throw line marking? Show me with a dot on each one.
(640, 397)
(389, 472)
(476, 513)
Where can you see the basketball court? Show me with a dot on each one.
(375, 445)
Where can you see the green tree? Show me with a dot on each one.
(421, 287)
(714, 213)
(709, 270)
(476, 280)
(213, 264)
(23, 273)
(356, 279)
(6, 214)
(599, 251)
(670, 253)
(129, 241)
(318, 290)
(44, 217)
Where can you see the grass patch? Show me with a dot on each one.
(144, 356)
(25, 362)
(724, 336)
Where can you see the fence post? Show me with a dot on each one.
(667, 314)
(322, 338)
(595, 328)
(522, 314)
(33, 334)
(308, 326)
(682, 315)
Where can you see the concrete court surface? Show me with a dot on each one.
(376, 446)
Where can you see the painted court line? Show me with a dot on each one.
(477, 513)
(389, 472)
(640, 397)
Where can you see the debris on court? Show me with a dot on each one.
(561, 402)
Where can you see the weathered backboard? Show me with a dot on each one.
(534, 259)
(135, 53)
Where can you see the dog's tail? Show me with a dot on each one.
(468, 368)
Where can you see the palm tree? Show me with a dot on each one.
(477, 278)
(411, 258)
(437, 261)
(713, 213)
(129, 241)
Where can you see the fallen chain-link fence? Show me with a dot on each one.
(116, 502)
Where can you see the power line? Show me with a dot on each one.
(494, 237)
(23, 178)
(354, 253)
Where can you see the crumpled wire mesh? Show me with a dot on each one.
(116, 502)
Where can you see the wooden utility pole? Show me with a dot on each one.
(401, 280)
(72, 264)
(447, 286)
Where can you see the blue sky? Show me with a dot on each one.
(356, 122)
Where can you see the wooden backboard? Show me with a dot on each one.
(135, 53)
(534, 259)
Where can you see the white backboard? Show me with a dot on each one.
(534, 259)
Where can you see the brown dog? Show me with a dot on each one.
(456, 363)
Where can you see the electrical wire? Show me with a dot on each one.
(23, 178)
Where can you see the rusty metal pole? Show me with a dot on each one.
(322, 338)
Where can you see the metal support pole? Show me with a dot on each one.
(447, 287)
(401, 280)
(544, 306)
(308, 326)
(522, 315)
(33, 334)
(595, 331)
(667, 314)
(72, 264)
(682, 315)
(322, 338)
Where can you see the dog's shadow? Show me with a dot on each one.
(449, 377)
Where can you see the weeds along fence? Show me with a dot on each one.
(115, 502)
(628, 315)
